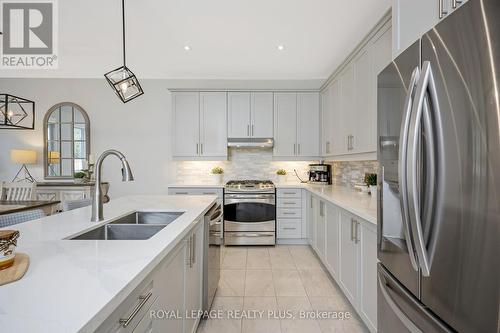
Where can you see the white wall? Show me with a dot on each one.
(140, 129)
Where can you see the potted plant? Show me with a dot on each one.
(79, 177)
(281, 173)
(371, 182)
(217, 173)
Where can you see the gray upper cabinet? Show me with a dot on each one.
(199, 125)
(296, 125)
(411, 19)
(349, 101)
(250, 114)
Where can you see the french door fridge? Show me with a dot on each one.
(439, 155)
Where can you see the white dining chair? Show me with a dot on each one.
(17, 191)
(20, 217)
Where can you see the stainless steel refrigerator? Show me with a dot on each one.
(439, 155)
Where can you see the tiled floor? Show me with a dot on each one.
(281, 282)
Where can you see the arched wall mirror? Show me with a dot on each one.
(67, 140)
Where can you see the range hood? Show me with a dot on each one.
(250, 142)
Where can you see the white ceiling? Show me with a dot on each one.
(229, 39)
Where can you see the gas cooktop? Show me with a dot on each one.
(262, 186)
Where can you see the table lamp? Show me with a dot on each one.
(23, 157)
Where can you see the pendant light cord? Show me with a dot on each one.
(123, 30)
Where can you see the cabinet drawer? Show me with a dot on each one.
(288, 213)
(289, 228)
(289, 193)
(289, 202)
(132, 309)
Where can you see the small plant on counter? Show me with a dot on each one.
(79, 175)
(371, 179)
(217, 170)
(281, 172)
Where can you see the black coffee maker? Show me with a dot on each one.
(320, 174)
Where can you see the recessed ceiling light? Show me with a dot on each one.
(281, 47)
(187, 48)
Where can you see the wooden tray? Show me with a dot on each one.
(16, 271)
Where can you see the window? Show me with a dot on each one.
(67, 141)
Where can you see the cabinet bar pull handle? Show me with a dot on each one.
(289, 228)
(193, 250)
(248, 130)
(197, 149)
(288, 203)
(181, 193)
(442, 11)
(143, 299)
(252, 130)
(456, 3)
(356, 225)
(201, 148)
(352, 230)
(287, 213)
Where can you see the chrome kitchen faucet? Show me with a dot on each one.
(97, 200)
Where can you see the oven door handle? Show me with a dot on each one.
(245, 234)
(250, 196)
(269, 201)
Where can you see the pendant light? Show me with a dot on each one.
(122, 80)
(16, 112)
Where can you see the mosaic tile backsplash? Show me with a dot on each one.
(352, 173)
(257, 163)
(243, 163)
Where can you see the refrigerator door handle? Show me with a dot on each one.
(403, 160)
(384, 286)
(426, 84)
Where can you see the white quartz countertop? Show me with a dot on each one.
(74, 285)
(360, 204)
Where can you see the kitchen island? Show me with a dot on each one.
(78, 285)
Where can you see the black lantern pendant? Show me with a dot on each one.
(122, 80)
(16, 112)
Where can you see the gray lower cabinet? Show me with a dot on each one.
(193, 279)
(175, 286)
(348, 257)
(347, 246)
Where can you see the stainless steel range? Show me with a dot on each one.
(250, 212)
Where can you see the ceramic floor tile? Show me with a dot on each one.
(288, 283)
(317, 283)
(220, 326)
(258, 258)
(354, 325)
(235, 258)
(299, 326)
(294, 304)
(227, 303)
(281, 259)
(304, 258)
(232, 283)
(259, 283)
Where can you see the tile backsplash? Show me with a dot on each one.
(243, 163)
(352, 172)
(258, 163)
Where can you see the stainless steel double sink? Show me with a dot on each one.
(134, 226)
